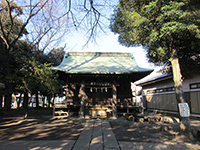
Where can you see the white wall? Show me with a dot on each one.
(186, 84)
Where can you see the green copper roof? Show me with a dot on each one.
(99, 63)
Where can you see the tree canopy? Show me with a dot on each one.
(166, 28)
(20, 67)
(169, 30)
(32, 30)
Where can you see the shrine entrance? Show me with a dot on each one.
(96, 80)
(99, 98)
(98, 95)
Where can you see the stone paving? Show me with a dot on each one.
(97, 135)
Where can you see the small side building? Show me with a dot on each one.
(99, 82)
(158, 92)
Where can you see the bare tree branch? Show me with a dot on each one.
(56, 15)
(10, 17)
(28, 19)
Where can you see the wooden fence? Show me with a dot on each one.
(168, 101)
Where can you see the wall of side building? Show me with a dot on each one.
(161, 95)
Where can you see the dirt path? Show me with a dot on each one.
(145, 132)
(41, 129)
(70, 129)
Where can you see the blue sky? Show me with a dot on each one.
(107, 43)
(104, 41)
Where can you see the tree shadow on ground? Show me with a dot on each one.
(41, 129)
(131, 131)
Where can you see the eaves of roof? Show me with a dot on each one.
(154, 78)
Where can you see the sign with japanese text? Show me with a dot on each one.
(184, 109)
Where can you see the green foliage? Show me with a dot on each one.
(23, 67)
(56, 56)
(28, 74)
(37, 77)
(167, 28)
(10, 22)
(10, 29)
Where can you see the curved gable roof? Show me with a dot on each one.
(99, 63)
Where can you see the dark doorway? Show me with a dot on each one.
(98, 96)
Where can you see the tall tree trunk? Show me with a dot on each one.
(37, 100)
(49, 100)
(25, 102)
(7, 73)
(43, 101)
(8, 95)
(1, 100)
(177, 77)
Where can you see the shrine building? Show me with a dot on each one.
(99, 83)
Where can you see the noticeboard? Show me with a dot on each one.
(184, 109)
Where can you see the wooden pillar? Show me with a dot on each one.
(114, 101)
(82, 99)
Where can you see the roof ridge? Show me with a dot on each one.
(114, 54)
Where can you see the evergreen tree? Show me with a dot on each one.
(168, 29)
(11, 29)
